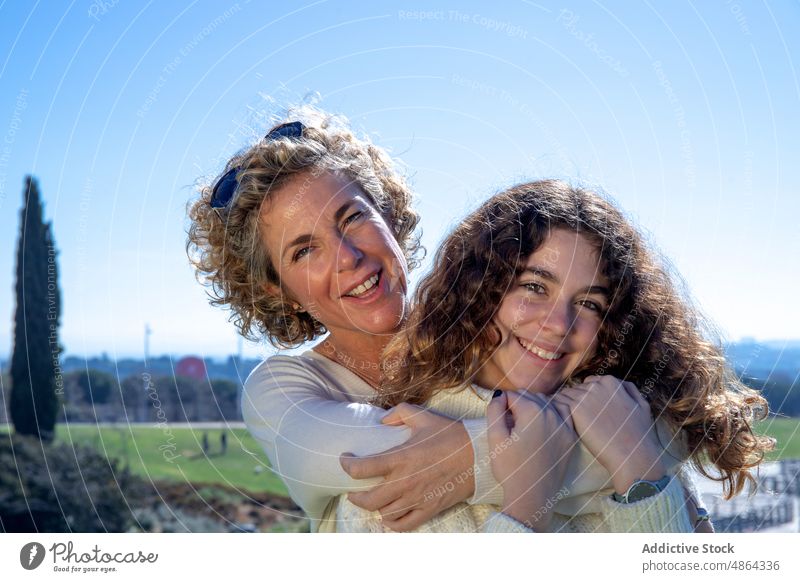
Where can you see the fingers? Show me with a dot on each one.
(525, 408)
(704, 527)
(365, 467)
(412, 520)
(529, 408)
(518, 401)
(396, 510)
(612, 382)
(565, 396)
(574, 394)
(606, 381)
(692, 508)
(376, 498)
(496, 419)
(594, 379)
(609, 385)
(634, 393)
(564, 412)
(404, 413)
(394, 418)
(515, 410)
(691, 503)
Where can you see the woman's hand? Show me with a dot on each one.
(530, 440)
(614, 422)
(427, 474)
(693, 507)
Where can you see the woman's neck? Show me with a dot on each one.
(361, 355)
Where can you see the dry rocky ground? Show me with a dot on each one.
(185, 507)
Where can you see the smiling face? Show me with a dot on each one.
(335, 255)
(549, 319)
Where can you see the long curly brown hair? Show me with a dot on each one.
(651, 334)
(227, 250)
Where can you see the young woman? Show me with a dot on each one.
(548, 289)
(308, 232)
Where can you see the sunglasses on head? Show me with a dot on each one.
(226, 187)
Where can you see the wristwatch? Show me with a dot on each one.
(642, 489)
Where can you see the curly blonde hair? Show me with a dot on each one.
(227, 250)
(651, 335)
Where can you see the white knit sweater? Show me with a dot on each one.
(573, 508)
(306, 410)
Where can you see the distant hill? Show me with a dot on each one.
(765, 361)
(231, 368)
(756, 360)
(773, 367)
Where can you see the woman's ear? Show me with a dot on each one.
(272, 289)
(276, 291)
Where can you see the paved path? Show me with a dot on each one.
(196, 425)
(766, 511)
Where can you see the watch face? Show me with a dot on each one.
(641, 490)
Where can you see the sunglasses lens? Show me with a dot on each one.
(293, 129)
(223, 191)
(226, 187)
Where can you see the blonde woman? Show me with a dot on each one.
(309, 234)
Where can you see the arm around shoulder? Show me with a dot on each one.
(301, 425)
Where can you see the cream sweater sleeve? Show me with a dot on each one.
(487, 489)
(303, 429)
(293, 414)
(502, 523)
(662, 513)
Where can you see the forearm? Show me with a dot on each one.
(304, 431)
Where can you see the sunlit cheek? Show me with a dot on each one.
(313, 291)
(506, 319)
(517, 311)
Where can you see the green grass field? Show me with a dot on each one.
(787, 432)
(245, 466)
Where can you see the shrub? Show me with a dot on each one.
(59, 488)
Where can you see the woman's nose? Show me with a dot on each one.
(558, 318)
(349, 255)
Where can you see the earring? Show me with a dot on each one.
(297, 308)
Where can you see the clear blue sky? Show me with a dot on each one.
(686, 113)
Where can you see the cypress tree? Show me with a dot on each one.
(35, 370)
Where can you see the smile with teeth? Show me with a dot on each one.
(545, 355)
(364, 287)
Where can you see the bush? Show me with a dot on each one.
(60, 488)
(94, 386)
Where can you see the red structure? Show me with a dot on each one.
(191, 367)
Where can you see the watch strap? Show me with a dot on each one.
(642, 489)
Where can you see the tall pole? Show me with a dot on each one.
(147, 333)
(145, 376)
